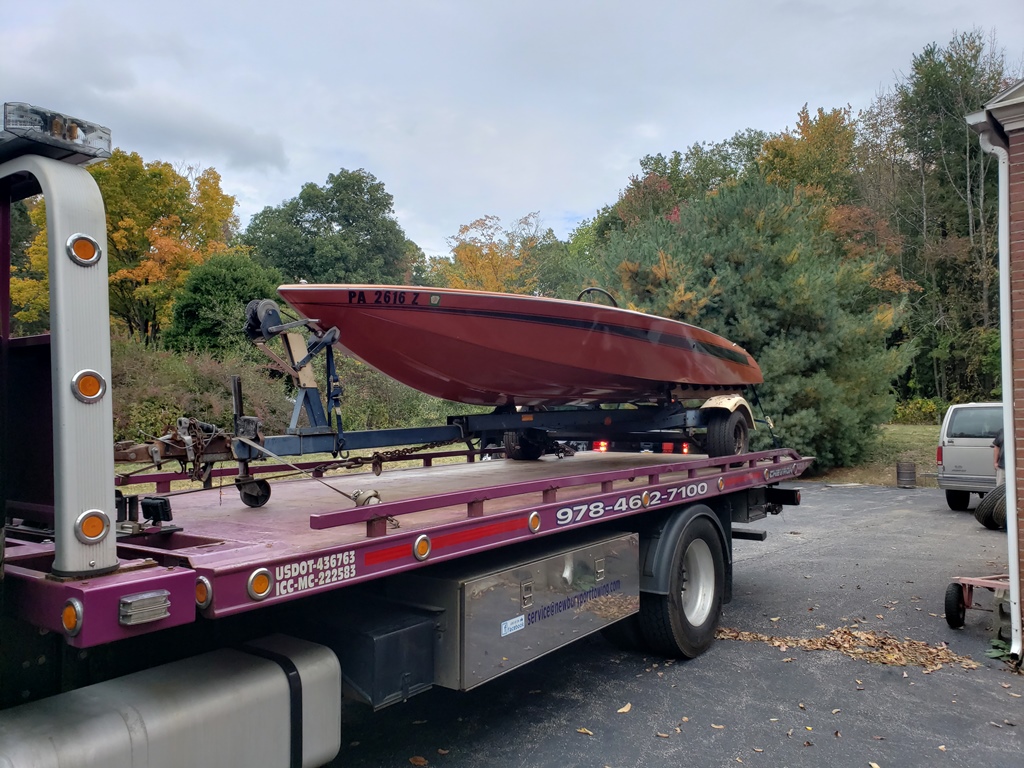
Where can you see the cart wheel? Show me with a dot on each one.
(956, 608)
(254, 493)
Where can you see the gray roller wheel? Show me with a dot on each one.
(991, 510)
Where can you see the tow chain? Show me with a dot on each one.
(376, 461)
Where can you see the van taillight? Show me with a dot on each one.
(938, 455)
(601, 445)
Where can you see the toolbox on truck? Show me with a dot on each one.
(504, 613)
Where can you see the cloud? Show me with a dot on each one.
(461, 108)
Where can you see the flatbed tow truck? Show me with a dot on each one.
(223, 627)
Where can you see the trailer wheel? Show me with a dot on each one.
(956, 608)
(254, 493)
(520, 447)
(728, 434)
(683, 622)
(958, 501)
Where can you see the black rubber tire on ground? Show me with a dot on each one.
(683, 622)
(991, 510)
(626, 635)
(956, 608)
(728, 434)
(958, 501)
(519, 447)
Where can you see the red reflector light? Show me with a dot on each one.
(668, 448)
(938, 455)
(601, 445)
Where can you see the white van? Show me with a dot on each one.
(964, 456)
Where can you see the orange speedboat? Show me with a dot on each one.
(502, 349)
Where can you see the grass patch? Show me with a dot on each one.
(896, 442)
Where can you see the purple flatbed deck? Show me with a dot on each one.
(310, 539)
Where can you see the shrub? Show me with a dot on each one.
(920, 410)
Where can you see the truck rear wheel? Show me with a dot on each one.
(956, 608)
(728, 434)
(683, 622)
(958, 501)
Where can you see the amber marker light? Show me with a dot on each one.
(534, 522)
(204, 592)
(88, 386)
(260, 582)
(421, 547)
(92, 526)
(721, 483)
(83, 250)
(71, 617)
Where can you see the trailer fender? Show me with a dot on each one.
(731, 403)
(657, 546)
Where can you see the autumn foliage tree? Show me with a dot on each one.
(160, 224)
(488, 257)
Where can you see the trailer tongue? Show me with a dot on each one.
(222, 627)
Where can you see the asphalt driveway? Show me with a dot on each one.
(870, 559)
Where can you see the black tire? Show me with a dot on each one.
(956, 608)
(626, 635)
(991, 510)
(728, 434)
(958, 501)
(683, 622)
(519, 447)
(254, 493)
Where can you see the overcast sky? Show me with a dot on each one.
(462, 108)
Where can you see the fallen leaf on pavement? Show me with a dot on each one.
(836, 711)
(942, 748)
(624, 709)
(662, 735)
(776, 618)
(585, 731)
(719, 727)
(418, 760)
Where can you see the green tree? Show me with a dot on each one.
(342, 232)
(704, 167)
(209, 311)
(760, 265)
(941, 194)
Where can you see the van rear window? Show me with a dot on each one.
(975, 422)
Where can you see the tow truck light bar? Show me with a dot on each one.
(27, 128)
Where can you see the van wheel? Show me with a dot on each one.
(683, 622)
(958, 500)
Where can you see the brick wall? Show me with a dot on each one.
(1016, 142)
